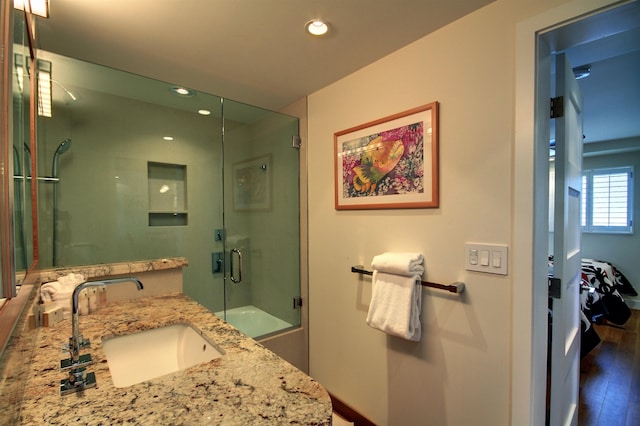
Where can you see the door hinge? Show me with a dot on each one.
(555, 288)
(296, 142)
(557, 107)
(297, 302)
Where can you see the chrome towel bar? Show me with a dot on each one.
(456, 287)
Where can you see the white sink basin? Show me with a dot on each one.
(134, 358)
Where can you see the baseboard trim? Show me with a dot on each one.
(632, 302)
(348, 413)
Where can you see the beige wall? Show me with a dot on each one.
(460, 372)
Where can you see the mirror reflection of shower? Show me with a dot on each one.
(62, 148)
(18, 185)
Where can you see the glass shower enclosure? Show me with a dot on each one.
(132, 168)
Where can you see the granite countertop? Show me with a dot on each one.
(248, 385)
(109, 269)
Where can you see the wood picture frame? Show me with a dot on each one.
(389, 163)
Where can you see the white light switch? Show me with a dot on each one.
(473, 257)
(496, 258)
(489, 258)
(484, 257)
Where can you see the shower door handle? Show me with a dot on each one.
(233, 278)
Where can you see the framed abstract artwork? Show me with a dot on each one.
(389, 163)
(252, 184)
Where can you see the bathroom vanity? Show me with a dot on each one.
(248, 384)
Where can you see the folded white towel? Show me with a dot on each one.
(60, 291)
(395, 305)
(407, 264)
(49, 290)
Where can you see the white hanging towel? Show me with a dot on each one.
(407, 264)
(396, 301)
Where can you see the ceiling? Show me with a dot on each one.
(257, 52)
(610, 43)
(253, 51)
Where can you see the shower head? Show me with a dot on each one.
(62, 148)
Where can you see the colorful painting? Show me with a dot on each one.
(389, 163)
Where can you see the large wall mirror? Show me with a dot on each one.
(22, 149)
(18, 233)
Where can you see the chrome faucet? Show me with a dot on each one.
(78, 378)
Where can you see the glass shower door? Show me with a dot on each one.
(261, 220)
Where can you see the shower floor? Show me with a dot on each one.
(254, 322)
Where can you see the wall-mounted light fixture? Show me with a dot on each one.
(37, 7)
(317, 27)
(582, 71)
(45, 95)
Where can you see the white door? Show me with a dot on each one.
(565, 342)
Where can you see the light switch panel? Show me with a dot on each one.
(489, 258)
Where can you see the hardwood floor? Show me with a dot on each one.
(610, 377)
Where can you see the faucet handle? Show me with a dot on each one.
(68, 363)
(73, 347)
(75, 344)
(77, 381)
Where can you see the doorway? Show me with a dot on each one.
(591, 45)
(573, 26)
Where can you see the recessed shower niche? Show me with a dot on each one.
(167, 194)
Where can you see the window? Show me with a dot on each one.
(607, 204)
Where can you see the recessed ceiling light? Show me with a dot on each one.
(168, 138)
(204, 112)
(182, 91)
(316, 27)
